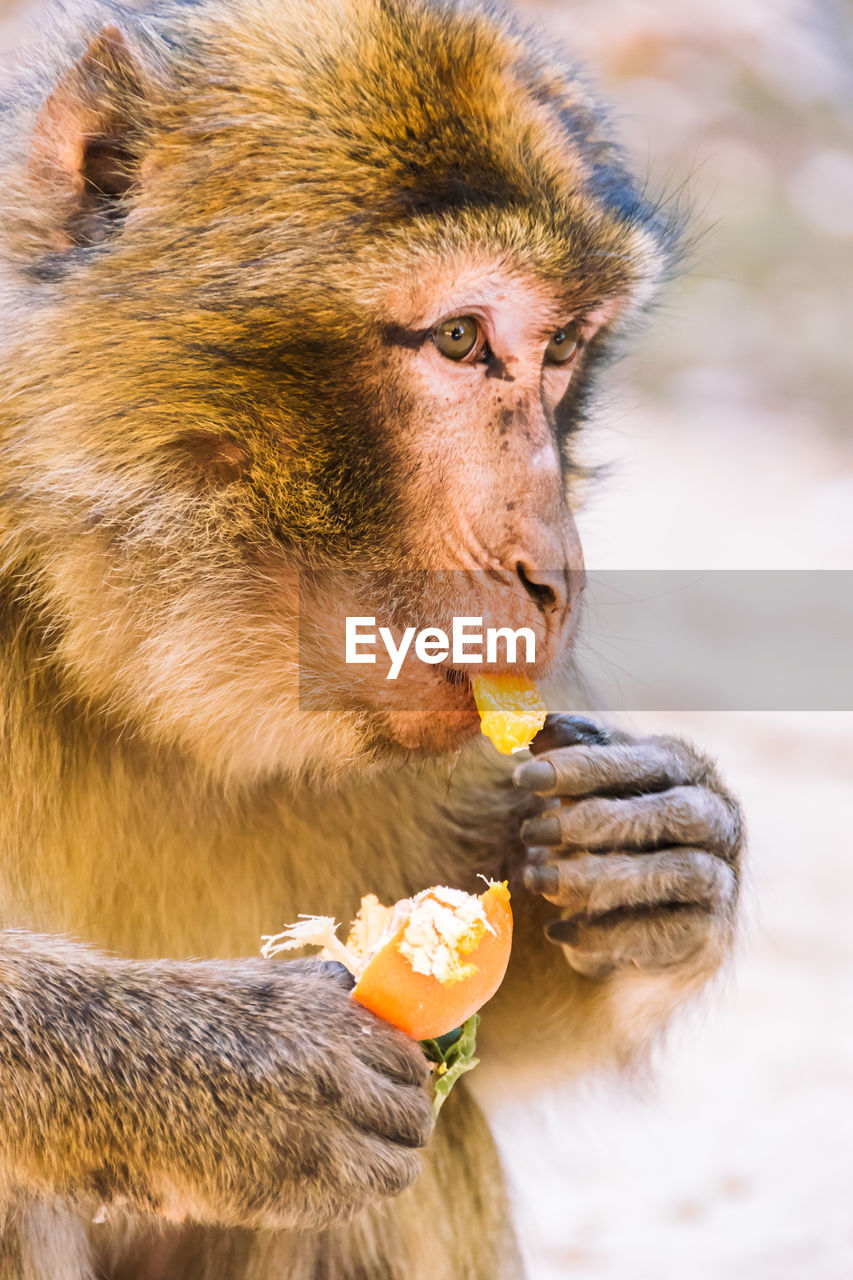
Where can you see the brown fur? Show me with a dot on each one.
(219, 220)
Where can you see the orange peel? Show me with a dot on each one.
(427, 963)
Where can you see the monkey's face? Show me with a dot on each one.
(300, 338)
(473, 371)
(405, 457)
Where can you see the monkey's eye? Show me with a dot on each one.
(456, 337)
(564, 345)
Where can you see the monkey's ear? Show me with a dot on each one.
(84, 155)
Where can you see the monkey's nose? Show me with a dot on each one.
(550, 590)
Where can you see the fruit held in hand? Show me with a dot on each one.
(446, 958)
(511, 710)
(424, 965)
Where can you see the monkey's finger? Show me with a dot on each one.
(652, 764)
(649, 942)
(400, 1113)
(364, 1160)
(691, 816)
(335, 972)
(595, 886)
(390, 1053)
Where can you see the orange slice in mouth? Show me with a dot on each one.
(511, 710)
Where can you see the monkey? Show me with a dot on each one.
(302, 310)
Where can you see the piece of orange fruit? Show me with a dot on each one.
(428, 977)
(427, 963)
(511, 709)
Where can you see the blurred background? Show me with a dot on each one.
(729, 439)
(728, 434)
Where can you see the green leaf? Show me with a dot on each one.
(452, 1060)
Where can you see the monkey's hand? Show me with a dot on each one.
(249, 1093)
(639, 844)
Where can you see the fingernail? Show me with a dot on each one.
(562, 931)
(542, 830)
(569, 731)
(537, 854)
(542, 879)
(340, 973)
(535, 775)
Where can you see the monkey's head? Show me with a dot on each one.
(304, 303)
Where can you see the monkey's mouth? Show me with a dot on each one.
(439, 718)
(443, 688)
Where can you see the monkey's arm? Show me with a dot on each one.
(238, 1092)
(625, 896)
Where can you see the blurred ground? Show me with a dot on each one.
(732, 444)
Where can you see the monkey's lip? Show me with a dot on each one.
(444, 689)
(439, 718)
(433, 732)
